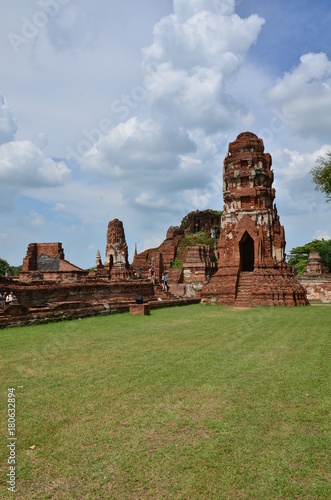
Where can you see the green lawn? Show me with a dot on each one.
(191, 402)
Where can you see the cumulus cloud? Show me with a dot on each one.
(136, 146)
(293, 182)
(304, 96)
(24, 164)
(185, 9)
(294, 165)
(7, 123)
(196, 53)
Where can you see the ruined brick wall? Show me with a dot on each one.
(200, 263)
(202, 260)
(30, 295)
(318, 288)
(46, 257)
(208, 221)
(160, 258)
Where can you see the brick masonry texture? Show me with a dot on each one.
(252, 268)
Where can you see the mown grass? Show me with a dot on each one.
(191, 402)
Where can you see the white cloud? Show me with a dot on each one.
(59, 207)
(185, 9)
(33, 220)
(204, 71)
(7, 123)
(295, 190)
(321, 234)
(304, 96)
(195, 56)
(295, 165)
(23, 164)
(148, 200)
(87, 201)
(137, 146)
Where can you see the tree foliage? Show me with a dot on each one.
(3, 266)
(321, 173)
(299, 255)
(15, 270)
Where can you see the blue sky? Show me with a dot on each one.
(125, 110)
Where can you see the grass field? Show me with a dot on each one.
(192, 402)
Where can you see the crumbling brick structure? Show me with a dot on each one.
(208, 221)
(46, 261)
(196, 262)
(252, 268)
(315, 266)
(117, 250)
(160, 258)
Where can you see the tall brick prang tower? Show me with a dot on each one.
(117, 250)
(252, 268)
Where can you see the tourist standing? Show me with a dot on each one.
(165, 283)
(152, 275)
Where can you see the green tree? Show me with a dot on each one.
(3, 266)
(299, 255)
(321, 173)
(16, 270)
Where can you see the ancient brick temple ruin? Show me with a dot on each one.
(117, 250)
(235, 258)
(187, 254)
(46, 261)
(252, 268)
(51, 288)
(116, 264)
(316, 279)
(315, 266)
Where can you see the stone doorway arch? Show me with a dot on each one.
(246, 248)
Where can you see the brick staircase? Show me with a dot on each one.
(244, 290)
(262, 288)
(162, 294)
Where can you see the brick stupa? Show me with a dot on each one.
(117, 250)
(252, 268)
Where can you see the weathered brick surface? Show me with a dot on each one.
(198, 261)
(251, 246)
(117, 250)
(315, 266)
(55, 302)
(160, 258)
(48, 292)
(207, 221)
(318, 288)
(140, 309)
(46, 257)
